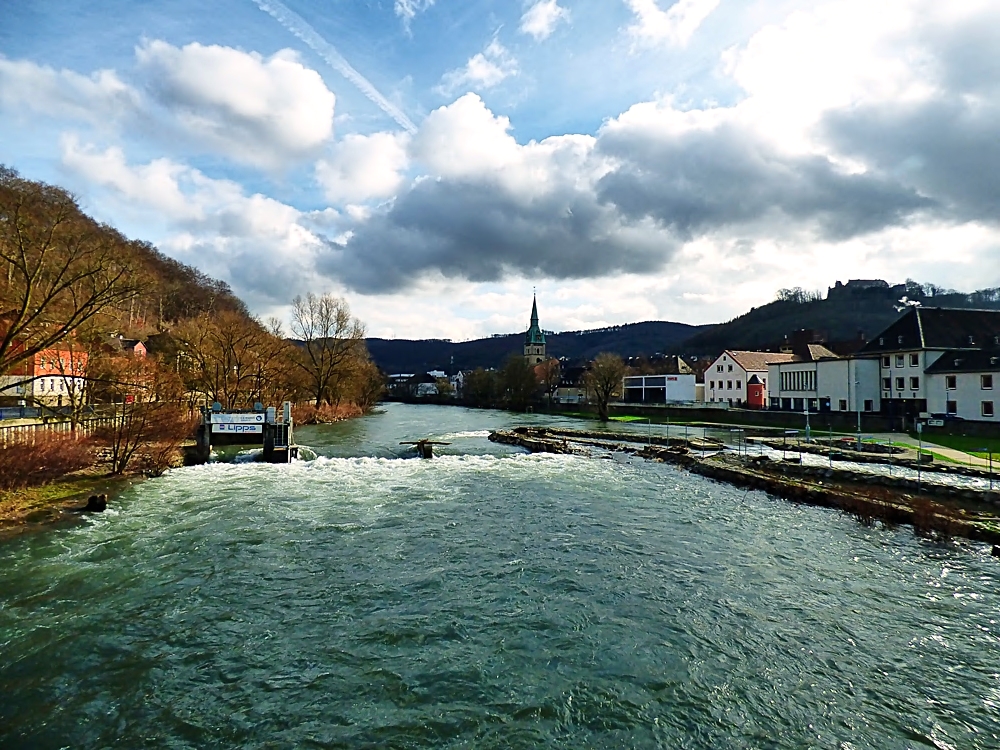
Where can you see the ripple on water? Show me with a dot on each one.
(493, 600)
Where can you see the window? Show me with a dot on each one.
(914, 360)
(729, 385)
(886, 361)
(881, 341)
(763, 382)
(887, 383)
(729, 368)
(843, 404)
(987, 408)
(718, 368)
(869, 405)
(899, 360)
(900, 384)
(899, 339)
(986, 382)
(951, 407)
(711, 384)
(950, 382)
(914, 384)
(739, 384)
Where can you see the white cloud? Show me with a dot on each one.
(675, 26)
(264, 112)
(408, 9)
(484, 70)
(541, 19)
(362, 167)
(98, 98)
(261, 246)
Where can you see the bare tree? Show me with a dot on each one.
(233, 359)
(332, 343)
(369, 385)
(58, 268)
(149, 423)
(517, 380)
(71, 363)
(604, 378)
(550, 372)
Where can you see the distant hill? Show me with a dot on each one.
(407, 355)
(859, 306)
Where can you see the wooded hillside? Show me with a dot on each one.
(413, 356)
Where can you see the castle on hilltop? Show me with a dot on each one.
(534, 339)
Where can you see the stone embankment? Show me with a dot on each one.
(932, 509)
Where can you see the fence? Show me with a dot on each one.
(20, 412)
(28, 433)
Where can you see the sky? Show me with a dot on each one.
(434, 162)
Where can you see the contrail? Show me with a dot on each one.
(298, 26)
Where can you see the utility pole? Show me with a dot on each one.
(857, 402)
(920, 451)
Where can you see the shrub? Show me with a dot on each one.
(327, 413)
(42, 458)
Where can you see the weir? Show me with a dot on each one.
(258, 426)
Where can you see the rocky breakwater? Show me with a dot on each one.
(932, 510)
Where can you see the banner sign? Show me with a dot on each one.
(256, 418)
(230, 427)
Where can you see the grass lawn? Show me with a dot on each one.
(977, 446)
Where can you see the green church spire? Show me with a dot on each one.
(534, 336)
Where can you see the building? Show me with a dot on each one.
(726, 379)
(572, 387)
(932, 356)
(963, 385)
(118, 343)
(53, 377)
(534, 339)
(658, 389)
(817, 379)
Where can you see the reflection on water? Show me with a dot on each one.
(487, 598)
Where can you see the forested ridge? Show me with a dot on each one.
(72, 289)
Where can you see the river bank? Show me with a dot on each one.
(40, 507)
(933, 509)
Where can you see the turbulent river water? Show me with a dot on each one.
(487, 598)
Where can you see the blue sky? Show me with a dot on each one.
(433, 161)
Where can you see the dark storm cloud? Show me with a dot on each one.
(706, 180)
(944, 148)
(946, 145)
(481, 232)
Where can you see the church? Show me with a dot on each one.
(534, 339)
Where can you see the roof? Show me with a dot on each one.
(758, 361)
(938, 328)
(966, 361)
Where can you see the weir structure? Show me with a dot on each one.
(258, 426)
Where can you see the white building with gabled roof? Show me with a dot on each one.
(726, 378)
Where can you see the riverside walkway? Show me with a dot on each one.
(951, 454)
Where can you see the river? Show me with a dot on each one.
(487, 598)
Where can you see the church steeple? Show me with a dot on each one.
(534, 338)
